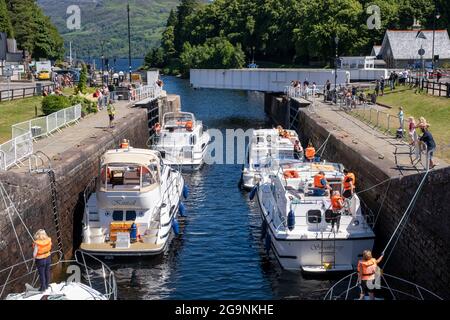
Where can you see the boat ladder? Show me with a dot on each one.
(40, 168)
(328, 250)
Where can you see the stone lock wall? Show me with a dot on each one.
(74, 169)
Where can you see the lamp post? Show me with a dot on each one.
(129, 40)
(336, 40)
(103, 58)
(435, 17)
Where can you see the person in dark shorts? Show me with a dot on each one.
(427, 139)
(366, 274)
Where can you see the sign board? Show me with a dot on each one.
(421, 52)
(8, 71)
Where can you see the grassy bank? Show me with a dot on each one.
(436, 111)
(16, 111)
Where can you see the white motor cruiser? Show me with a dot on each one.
(297, 223)
(181, 140)
(135, 204)
(265, 144)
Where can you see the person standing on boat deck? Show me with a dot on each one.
(321, 187)
(366, 273)
(42, 247)
(310, 152)
(349, 184)
(337, 204)
(111, 113)
(427, 139)
(298, 150)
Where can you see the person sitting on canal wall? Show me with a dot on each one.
(42, 247)
(310, 152)
(321, 186)
(366, 274)
(337, 204)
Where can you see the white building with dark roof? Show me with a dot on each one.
(400, 47)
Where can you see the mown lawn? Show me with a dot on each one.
(16, 111)
(435, 110)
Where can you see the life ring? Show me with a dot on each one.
(288, 174)
(189, 125)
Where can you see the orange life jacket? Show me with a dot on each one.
(317, 182)
(310, 152)
(124, 145)
(335, 202)
(189, 125)
(367, 269)
(347, 181)
(44, 248)
(291, 174)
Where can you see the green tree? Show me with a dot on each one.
(181, 30)
(214, 53)
(5, 21)
(34, 31)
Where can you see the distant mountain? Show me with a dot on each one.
(107, 20)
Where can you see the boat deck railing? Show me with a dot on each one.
(390, 286)
(82, 268)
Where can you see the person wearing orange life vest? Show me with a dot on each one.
(366, 273)
(337, 204)
(349, 184)
(42, 247)
(157, 128)
(125, 144)
(321, 186)
(310, 152)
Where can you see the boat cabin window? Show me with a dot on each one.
(193, 139)
(130, 215)
(314, 216)
(129, 177)
(117, 215)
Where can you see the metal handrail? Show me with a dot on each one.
(331, 296)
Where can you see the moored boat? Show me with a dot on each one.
(266, 144)
(298, 222)
(182, 140)
(135, 205)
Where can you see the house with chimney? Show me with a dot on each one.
(400, 48)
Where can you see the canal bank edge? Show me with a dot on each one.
(421, 252)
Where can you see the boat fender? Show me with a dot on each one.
(175, 226)
(185, 191)
(291, 220)
(182, 210)
(133, 233)
(253, 192)
(267, 243)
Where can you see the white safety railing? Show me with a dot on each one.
(302, 91)
(144, 92)
(14, 151)
(45, 126)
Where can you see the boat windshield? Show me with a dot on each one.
(129, 177)
(179, 121)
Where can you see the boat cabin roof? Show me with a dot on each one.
(312, 168)
(142, 157)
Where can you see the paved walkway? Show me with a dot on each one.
(89, 126)
(392, 154)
